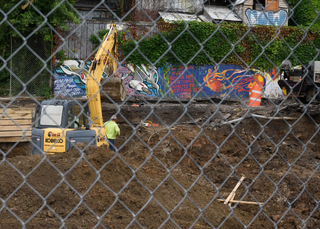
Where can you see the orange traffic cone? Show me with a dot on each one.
(250, 86)
(255, 96)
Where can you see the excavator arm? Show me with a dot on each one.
(106, 55)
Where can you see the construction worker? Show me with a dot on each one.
(112, 131)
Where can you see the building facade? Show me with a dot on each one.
(251, 12)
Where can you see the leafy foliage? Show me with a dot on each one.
(305, 13)
(25, 20)
(202, 43)
(97, 38)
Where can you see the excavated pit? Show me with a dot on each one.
(204, 156)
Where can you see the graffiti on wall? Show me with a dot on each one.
(145, 80)
(70, 79)
(223, 81)
(208, 81)
(266, 17)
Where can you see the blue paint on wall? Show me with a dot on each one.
(266, 17)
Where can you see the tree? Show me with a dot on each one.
(33, 18)
(305, 13)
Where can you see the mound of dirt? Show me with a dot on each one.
(170, 178)
(173, 175)
(97, 182)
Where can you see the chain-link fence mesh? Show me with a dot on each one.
(220, 134)
(26, 63)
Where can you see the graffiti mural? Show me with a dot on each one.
(145, 80)
(266, 17)
(223, 81)
(208, 81)
(70, 78)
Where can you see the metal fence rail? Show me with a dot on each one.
(200, 163)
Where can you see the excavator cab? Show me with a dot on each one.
(60, 124)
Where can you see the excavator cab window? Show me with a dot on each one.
(51, 115)
(35, 118)
(76, 117)
(79, 116)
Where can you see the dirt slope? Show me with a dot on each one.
(173, 176)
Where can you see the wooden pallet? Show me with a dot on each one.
(15, 124)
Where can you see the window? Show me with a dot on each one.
(261, 5)
(70, 116)
(75, 117)
(51, 115)
(272, 5)
(219, 2)
(36, 117)
(80, 119)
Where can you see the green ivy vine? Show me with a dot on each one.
(201, 43)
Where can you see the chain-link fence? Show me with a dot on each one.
(218, 128)
(26, 64)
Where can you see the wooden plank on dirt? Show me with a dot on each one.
(232, 197)
(15, 133)
(234, 190)
(241, 202)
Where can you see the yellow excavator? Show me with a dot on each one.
(59, 124)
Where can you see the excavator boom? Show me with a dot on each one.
(113, 86)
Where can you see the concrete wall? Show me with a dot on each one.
(224, 81)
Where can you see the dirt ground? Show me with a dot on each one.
(172, 175)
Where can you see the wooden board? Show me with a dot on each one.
(14, 139)
(16, 116)
(15, 128)
(14, 133)
(15, 111)
(18, 121)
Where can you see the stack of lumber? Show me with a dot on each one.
(15, 124)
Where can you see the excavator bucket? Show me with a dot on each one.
(114, 88)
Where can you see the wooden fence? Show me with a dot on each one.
(77, 45)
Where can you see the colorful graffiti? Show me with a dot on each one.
(70, 79)
(145, 80)
(223, 81)
(266, 17)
